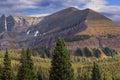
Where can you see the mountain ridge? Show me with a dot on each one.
(74, 23)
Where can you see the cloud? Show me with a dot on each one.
(115, 17)
(17, 6)
(95, 4)
(21, 6)
(111, 9)
(35, 7)
(38, 15)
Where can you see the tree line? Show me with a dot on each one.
(95, 52)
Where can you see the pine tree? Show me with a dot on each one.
(26, 69)
(97, 53)
(96, 75)
(40, 75)
(79, 52)
(7, 72)
(30, 67)
(21, 71)
(61, 65)
(87, 52)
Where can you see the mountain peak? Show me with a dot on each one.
(65, 12)
(72, 9)
(93, 15)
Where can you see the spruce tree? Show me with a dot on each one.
(97, 53)
(7, 72)
(61, 65)
(30, 67)
(40, 75)
(26, 69)
(79, 52)
(87, 52)
(21, 71)
(96, 75)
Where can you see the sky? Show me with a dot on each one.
(110, 8)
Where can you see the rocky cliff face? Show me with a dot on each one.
(27, 21)
(13, 30)
(10, 23)
(14, 22)
(2, 23)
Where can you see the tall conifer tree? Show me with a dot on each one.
(40, 75)
(21, 71)
(7, 72)
(96, 75)
(61, 65)
(26, 69)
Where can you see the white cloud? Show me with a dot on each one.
(115, 17)
(68, 3)
(20, 7)
(38, 15)
(111, 9)
(17, 6)
(95, 4)
(102, 6)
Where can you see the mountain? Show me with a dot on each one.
(79, 28)
(72, 22)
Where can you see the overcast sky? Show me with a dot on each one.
(110, 8)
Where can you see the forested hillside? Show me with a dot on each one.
(109, 66)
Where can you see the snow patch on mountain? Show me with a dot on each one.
(28, 32)
(36, 33)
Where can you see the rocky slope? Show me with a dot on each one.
(13, 30)
(72, 22)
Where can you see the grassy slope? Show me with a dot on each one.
(101, 27)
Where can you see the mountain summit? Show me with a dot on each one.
(71, 22)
